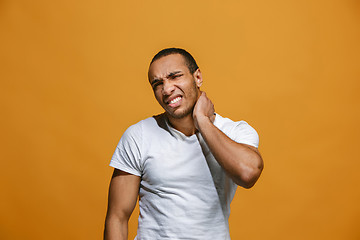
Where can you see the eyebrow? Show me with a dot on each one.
(173, 73)
(168, 76)
(155, 81)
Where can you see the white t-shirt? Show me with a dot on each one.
(184, 193)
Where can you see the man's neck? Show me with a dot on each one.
(185, 125)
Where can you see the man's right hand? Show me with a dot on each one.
(203, 110)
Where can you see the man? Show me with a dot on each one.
(184, 164)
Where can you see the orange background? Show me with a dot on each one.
(74, 77)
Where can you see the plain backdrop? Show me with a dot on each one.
(74, 77)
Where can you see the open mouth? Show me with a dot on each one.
(175, 102)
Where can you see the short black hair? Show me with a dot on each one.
(189, 60)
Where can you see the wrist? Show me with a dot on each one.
(203, 121)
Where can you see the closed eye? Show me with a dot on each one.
(156, 83)
(176, 76)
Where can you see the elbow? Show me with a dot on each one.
(249, 177)
(249, 183)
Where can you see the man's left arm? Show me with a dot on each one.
(242, 162)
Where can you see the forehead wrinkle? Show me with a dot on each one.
(168, 65)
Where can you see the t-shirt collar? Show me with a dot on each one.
(181, 136)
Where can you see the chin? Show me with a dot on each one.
(178, 114)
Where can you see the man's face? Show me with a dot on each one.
(175, 88)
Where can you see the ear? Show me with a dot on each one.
(198, 77)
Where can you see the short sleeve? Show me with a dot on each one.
(127, 155)
(242, 132)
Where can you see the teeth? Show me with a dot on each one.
(175, 100)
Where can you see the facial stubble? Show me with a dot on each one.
(189, 110)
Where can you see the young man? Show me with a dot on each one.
(184, 164)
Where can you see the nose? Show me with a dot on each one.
(168, 88)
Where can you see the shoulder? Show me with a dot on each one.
(227, 124)
(138, 127)
(131, 141)
(146, 128)
(239, 131)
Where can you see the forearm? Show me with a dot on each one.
(115, 229)
(242, 163)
